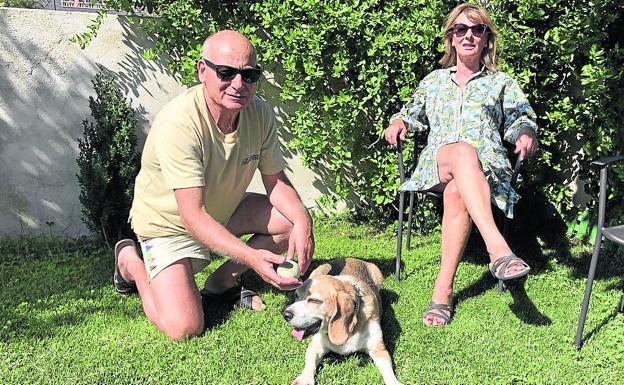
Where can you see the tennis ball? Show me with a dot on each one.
(288, 269)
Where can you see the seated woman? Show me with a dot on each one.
(467, 106)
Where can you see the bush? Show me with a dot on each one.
(108, 162)
(348, 65)
(21, 3)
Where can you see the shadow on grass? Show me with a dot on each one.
(538, 221)
(484, 283)
(215, 314)
(602, 324)
(389, 324)
(49, 284)
(25, 324)
(619, 309)
(523, 307)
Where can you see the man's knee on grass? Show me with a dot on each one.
(180, 327)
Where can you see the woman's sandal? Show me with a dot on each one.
(235, 296)
(440, 307)
(503, 263)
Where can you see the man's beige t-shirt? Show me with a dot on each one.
(184, 148)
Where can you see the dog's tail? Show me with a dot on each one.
(374, 273)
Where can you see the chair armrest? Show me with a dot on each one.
(516, 171)
(399, 149)
(403, 168)
(607, 160)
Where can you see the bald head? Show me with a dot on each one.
(231, 52)
(228, 44)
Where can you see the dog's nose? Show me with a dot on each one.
(288, 315)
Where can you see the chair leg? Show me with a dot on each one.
(588, 289)
(397, 268)
(410, 214)
(501, 286)
(505, 226)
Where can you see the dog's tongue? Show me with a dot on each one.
(298, 334)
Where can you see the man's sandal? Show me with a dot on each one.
(235, 296)
(498, 267)
(439, 314)
(121, 286)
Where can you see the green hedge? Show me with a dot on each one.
(108, 162)
(346, 66)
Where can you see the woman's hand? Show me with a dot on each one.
(526, 144)
(396, 128)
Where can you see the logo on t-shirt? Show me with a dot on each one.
(249, 159)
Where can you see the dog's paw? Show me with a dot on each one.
(301, 380)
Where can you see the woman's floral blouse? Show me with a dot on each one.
(490, 106)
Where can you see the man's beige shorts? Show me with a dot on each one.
(161, 252)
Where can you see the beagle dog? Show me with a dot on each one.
(339, 306)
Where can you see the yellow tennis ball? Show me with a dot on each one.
(288, 269)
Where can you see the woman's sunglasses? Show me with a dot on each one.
(249, 75)
(460, 30)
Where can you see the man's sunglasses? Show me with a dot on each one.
(249, 75)
(461, 30)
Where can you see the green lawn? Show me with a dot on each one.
(61, 322)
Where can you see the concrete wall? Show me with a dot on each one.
(45, 82)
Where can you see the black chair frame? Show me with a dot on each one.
(402, 174)
(614, 234)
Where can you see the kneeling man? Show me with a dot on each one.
(189, 199)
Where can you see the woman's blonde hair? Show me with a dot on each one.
(477, 15)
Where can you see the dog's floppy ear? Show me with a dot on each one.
(303, 289)
(343, 318)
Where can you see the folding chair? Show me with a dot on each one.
(613, 234)
(412, 194)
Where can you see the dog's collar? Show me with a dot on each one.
(357, 303)
(360, 295)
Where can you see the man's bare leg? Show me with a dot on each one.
(171, 300)
(254, 215)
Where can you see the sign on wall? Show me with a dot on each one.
(84, 4)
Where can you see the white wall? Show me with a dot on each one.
(45, 82)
